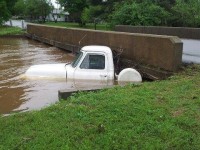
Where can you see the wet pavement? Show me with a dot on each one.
(17, 23)
(191, 51)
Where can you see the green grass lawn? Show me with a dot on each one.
(153, 115)
(76, 25)
(5, 30)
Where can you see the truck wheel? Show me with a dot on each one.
(129, 75)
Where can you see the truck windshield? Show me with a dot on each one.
(77, 59)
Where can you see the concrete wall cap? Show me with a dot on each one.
(175, 39)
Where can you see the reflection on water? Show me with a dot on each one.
(16, 56)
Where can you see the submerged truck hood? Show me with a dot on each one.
(47, 70)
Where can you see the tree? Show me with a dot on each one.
(45, 9)
(4, 12)
(19, 8)
(95, 2)
(37, 9)
(10, 5)
(75, 9)
(166, 4)
(109, 7)
(187, 13)
(91, 13)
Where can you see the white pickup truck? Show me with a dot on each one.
(92, 63)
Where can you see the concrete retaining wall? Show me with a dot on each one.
(158, 51)
(182, 32)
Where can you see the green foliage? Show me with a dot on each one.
(75, 8)
(33, 9)
(10, 5)
(166, 4)
(91, 13)
(86, 16)
(20, 8)
(155, 115)
(95, 2)
(4, 12)
(146, 14)
(187, 13)
(136, 12)
(83, 11)
(130, 12)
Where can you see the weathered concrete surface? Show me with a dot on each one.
(163, 52)
(191, 36)
(64, 94)
(182, 32)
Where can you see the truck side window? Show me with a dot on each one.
(77, 59)
(93, 61)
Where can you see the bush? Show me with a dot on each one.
(145, 14)
(91, 13)
(187, 13)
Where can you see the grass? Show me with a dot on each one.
(5, 30)
(76, 25)
(153, 115)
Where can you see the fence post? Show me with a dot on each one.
(11, 23)
(22, 24)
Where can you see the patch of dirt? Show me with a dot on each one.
(178, 113)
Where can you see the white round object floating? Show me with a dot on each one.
(129, 75)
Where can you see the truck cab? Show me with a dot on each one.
(93, 63)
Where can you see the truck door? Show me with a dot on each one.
(93, 67)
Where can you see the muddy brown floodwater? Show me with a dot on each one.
(16, 56)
